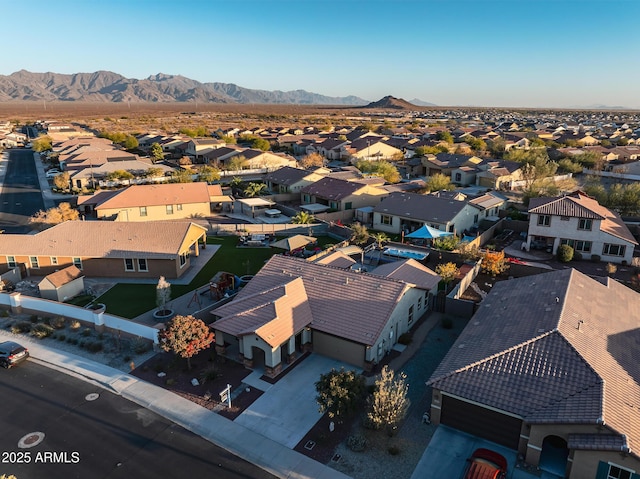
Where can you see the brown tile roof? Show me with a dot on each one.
(558, 347)
(580, 205)
(287, 175)
(158, 195)
(350, 305)
(597, 442)
(337, 259)
(332, 188)
(409, 271)
(428, 208)
(103, 239)
(273, 315)
(64, 276)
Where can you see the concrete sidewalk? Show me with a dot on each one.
(255, 448)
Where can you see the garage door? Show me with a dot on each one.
(481, 422)
(338, 348)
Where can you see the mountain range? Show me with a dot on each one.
(105, 86)
(391, 102)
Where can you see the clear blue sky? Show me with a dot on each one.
(547, 53)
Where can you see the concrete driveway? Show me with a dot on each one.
(288, 409)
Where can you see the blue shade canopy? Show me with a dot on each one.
(427, 232)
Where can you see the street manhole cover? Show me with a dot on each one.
(30, 440)
(92, 396)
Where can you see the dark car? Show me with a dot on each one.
(12, 353)
(486, 464)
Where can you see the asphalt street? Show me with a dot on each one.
(105, 437)
(21, 197)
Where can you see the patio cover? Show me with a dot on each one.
(427, 232)
(314, 208)
(294, 242)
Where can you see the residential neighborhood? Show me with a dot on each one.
(490, 259)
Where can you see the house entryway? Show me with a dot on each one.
(554, 455)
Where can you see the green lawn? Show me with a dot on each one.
(131, 300)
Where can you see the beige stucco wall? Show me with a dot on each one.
(66, 291)
(585, 463)
(159, 212)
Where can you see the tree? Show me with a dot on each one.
(228, 139)
(439, 182)
(565, 253)
(119, 175)
(156, 152)
(254, 189)
(496, 146)
(235, 163)
(494, 263)
(389, 404)
(42, 143)
(340, 392)
(476, 144)
(62, 180)
(302, 218)
(185, 336)
(359, 234)
(163, 294)
(53, 216)
(208, 173)
(256, 142)
(380, 238)
(446, 243)
(380, 168)
(312, 160)
(154, 172)
(447, 272)
(445, 136)
(182, 176)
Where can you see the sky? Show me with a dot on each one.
(501, 53)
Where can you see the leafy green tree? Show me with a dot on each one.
(312, 160)
(445, 136)
(496, 146)
(439, 182)
(208, 173)
(182, 176)
(130, 142)
(476, 144)
(185, 336)
(340, 393)
(569, 165)
(388, 405)
(42, 143)
(380, 168)
(494, 263)
(255, 189)
(54, 216)
(156, 152)
(235, 163)
(589, 159)
(446, 243)
(198, 132)
(119, 175)
(380, 238)
(447, 272)
(302, 218)
(256, 142)
(359, 234)
(228, 139)
(154, 172)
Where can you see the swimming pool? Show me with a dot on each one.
(405, 253)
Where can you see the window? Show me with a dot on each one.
(128, 264)
(34, 262)
(77, 262)
(419, 303)
(143, 211)
(452, 228)
(544, 220)
(183, 259)
(169, 209)
(410, 317)
(306, 199)
(179, 207)
(613, 249)
(348, 206)
(475, 219)
(578, 245)
(385, 219)
(142, 264)
(458, 177)
(54, 260)
(11, 261)
(616, 472)
(584, 224)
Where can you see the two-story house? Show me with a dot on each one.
(581, 222)
(341, 195)
(291, 180)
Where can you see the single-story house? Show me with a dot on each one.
(105, 248)
(294, 305)
(63, 284)
(548, 367)
(291, 180)
(341, 195)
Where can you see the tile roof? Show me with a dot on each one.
(287, 175)
(103, 239)
(337, 259)
(350, 305)
(580, 205)
(597, 442)
(558, 347)
(158, 195)
(420, 207)
(409, 271)
(332, 188)
(64, 276)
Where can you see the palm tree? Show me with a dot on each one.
(380, 238)
(359, 234)
(254, 189)
(302, 218)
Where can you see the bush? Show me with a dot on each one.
(595, 258)
(357, 443)
(4, 313)
(74, 325)
(86, 332)
(170, 382)
(21, 327)
(94, 347)
(41, 331)
(140, 346)
(405, 338)
(34, 318)
(57, 322)
(565, 253)
(447, 323)
(61, 337)
(394, 450)
(209, 374)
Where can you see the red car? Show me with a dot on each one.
(486, 464)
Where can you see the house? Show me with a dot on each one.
(446, 163)
(579, 221)
(197, 147)
(166, 201)
(106, 249)
(62, 285)
(341, 195)
(371, 148)
(90, 175)
(406, 212)
(294, 305)
(499, 175)
(291, 180)
(547, 367)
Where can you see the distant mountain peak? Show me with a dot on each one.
(391, 102)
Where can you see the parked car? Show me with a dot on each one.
(12, 353)
(486, 464)
(53, 173)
